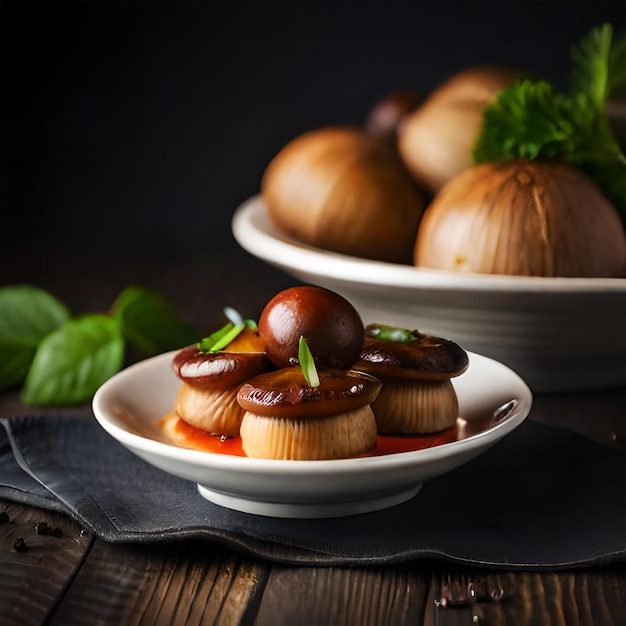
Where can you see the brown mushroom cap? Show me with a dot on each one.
(217, 369)
(285, 393)
(425, 358)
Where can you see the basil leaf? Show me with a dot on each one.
(74, 360)
(151, 323)
(27, 315)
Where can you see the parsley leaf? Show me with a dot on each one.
(532, 119)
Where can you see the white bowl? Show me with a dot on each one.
(559, 334)
(129, 406)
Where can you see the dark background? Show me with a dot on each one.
(144, 125)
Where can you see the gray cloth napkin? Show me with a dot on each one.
(541, 497)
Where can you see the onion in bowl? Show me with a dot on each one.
(437, 138)
(342, 190)
(522, 217)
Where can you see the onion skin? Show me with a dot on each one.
(522, 218)
(437, 139)
(342, 190)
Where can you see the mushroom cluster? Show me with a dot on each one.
(311, 382)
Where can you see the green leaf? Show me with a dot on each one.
(590, 69)
(220, 338)
(531, 119)
(617, 66)
(73, 361)
(527, 119)
(392, 333)
(307, 363)
(150, 322)
(27, 315)
(223, 336)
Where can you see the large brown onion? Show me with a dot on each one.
(342, 190)
(522, 217)
(436, 140)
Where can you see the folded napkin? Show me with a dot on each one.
(542, 497)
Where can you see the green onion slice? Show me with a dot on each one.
(307, 363)
(221, 338)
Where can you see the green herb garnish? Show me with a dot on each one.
(221, 338)
(63, 359)
(307, 363)
(533, 119)
(392, 333)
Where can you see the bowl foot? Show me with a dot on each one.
(307, 510)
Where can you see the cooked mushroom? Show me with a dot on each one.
(417, 396)
(208, 397)
(287, 418)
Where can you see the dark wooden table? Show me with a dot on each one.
(79, 579)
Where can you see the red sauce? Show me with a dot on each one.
(190, 437)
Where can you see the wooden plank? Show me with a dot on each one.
(348, 596)
(33, 581)
(176, 583)
(586, 597)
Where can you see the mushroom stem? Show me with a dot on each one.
(215, 411)
(415, 407)
(341, 435)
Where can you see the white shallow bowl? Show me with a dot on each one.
(559, 334)
(493, 401)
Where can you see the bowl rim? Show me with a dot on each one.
(255, 233)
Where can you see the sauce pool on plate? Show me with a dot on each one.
(187, 436)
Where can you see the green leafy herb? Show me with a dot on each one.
(221, 338)
(62, 359)
(307, 363)
(532, 119)
(150, 322)
(74, 360)
(27, 315)
(392, 333)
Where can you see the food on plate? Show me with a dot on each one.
(211, 379)
(330, 324)
(343, 190)
(417, 396)
(437, 138)
(522, 217)
(305, 381)
(288, 418)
